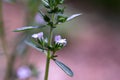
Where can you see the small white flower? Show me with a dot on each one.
(38, 35)
(35, 36)
(24, 72)
(62, 41)
(58, 40)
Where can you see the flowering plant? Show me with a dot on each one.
(54, 17)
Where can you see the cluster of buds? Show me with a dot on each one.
(58, 43)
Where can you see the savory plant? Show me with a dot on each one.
(50, 45)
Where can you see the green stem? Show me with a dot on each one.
(49, 52)
(48, 56)
(47, 67)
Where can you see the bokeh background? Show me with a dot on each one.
(93, 50)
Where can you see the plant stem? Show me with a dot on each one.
(49, 52)
(47, 67)
(48, 56)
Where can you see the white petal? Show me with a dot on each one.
(62, 41)
(40, 35)
(35, 36)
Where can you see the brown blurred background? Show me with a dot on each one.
(93, 50)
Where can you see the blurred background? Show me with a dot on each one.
(93, 50)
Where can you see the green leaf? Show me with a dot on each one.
(61, 1)
(51, 24)
(66, 69)
(51, 3)
(25, 28)
(45, 2)
(61, 19)
(73, 16)
(30, 43)
(41, 13)
(45, 17)
(56, 10)
(61, 10)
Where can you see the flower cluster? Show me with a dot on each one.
(57, 44)
(53, 17)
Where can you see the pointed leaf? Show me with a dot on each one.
(61, 19)
(73, 16)
(45, 17)
(45, 2)
(30, 43)
(25, 28)
(42, 14)
(66, 69)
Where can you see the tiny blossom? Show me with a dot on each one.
(38, 35)
(59, 40)
(35, 36)
(24, 72)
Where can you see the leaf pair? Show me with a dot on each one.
(60, 19)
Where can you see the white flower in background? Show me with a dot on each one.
(38, 35)
(24, 72)
(58, 40)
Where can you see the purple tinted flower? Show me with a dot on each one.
(39, 19)
(24, 72)
(38, 35)
(58, 40)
